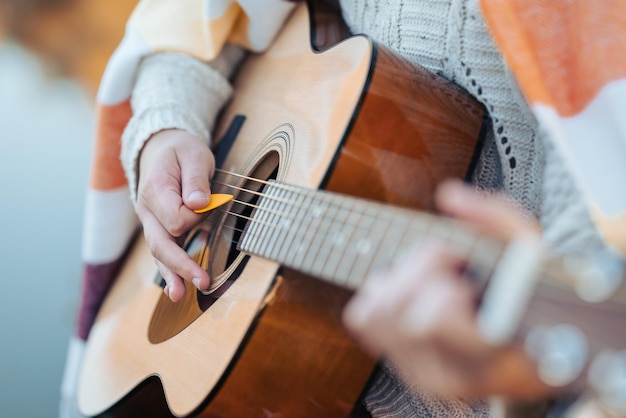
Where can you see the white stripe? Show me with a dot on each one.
(266, 20)
(216, 8)
(109, 222)
(594, 145)
(119, 75)
(69, 385)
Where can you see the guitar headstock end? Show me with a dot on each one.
(597, 277)
(607, 377)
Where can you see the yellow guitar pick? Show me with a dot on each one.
(217, 200)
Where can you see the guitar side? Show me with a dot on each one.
(353, 119)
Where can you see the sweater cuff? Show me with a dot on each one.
(142, 126)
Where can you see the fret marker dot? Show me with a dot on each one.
(363, 247)
(338, 239)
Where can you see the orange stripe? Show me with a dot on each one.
(613, 228)
(106, 171)
(561, 51)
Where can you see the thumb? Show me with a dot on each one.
(196, 169)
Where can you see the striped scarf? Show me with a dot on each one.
(196, 27)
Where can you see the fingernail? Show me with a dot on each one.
(196, 282)
(166, 290)
(198, 195)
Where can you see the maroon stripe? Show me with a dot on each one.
(96, 282)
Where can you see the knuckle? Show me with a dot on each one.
(155, 247)
(198, 179)
(151, 183)
(166, 275)
(428, 330)
(186, 273)
(175, 226)
(145, 192)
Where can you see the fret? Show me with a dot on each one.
(389, 246)
(354, 235)
(253, 230)
(377, 228)
(351, 254)
(420, 227)
(298, 245)
(483, 258)
(281, 199)
(271, 206)
(256, 235)
(343, 239)
(312, 231)
(461, 241)
(363, 246)
(290, 231)
(328, 243)
(440, 231)
(318, 212)
(342, 230)
(417, 229)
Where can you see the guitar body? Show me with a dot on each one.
(354, 119)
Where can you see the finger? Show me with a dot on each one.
(492, 214)
(166, 251)
(435, 337)
(174, 287)
(442, 315)
(160, 195)
(387, 290)
(371, 315)
(358, 315)
(196, 170)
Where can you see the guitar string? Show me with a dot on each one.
(452, 230)
(479, 266)
(286, 202)
(485, 264)
(288, 254)
(325, 198)
(324, 219)
(268, 225)
(463, 238)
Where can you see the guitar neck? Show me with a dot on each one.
(343, 239)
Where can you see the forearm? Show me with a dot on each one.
(175, 91)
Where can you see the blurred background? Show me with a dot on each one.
(52, 54)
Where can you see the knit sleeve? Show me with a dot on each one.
(565, 218)
(175, 91)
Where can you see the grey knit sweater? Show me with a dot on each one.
(448, 37)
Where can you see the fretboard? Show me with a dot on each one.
(343, 239)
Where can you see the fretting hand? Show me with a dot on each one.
(421, 314)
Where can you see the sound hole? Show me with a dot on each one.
(213, 245)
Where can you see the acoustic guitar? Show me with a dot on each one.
(332, 150)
